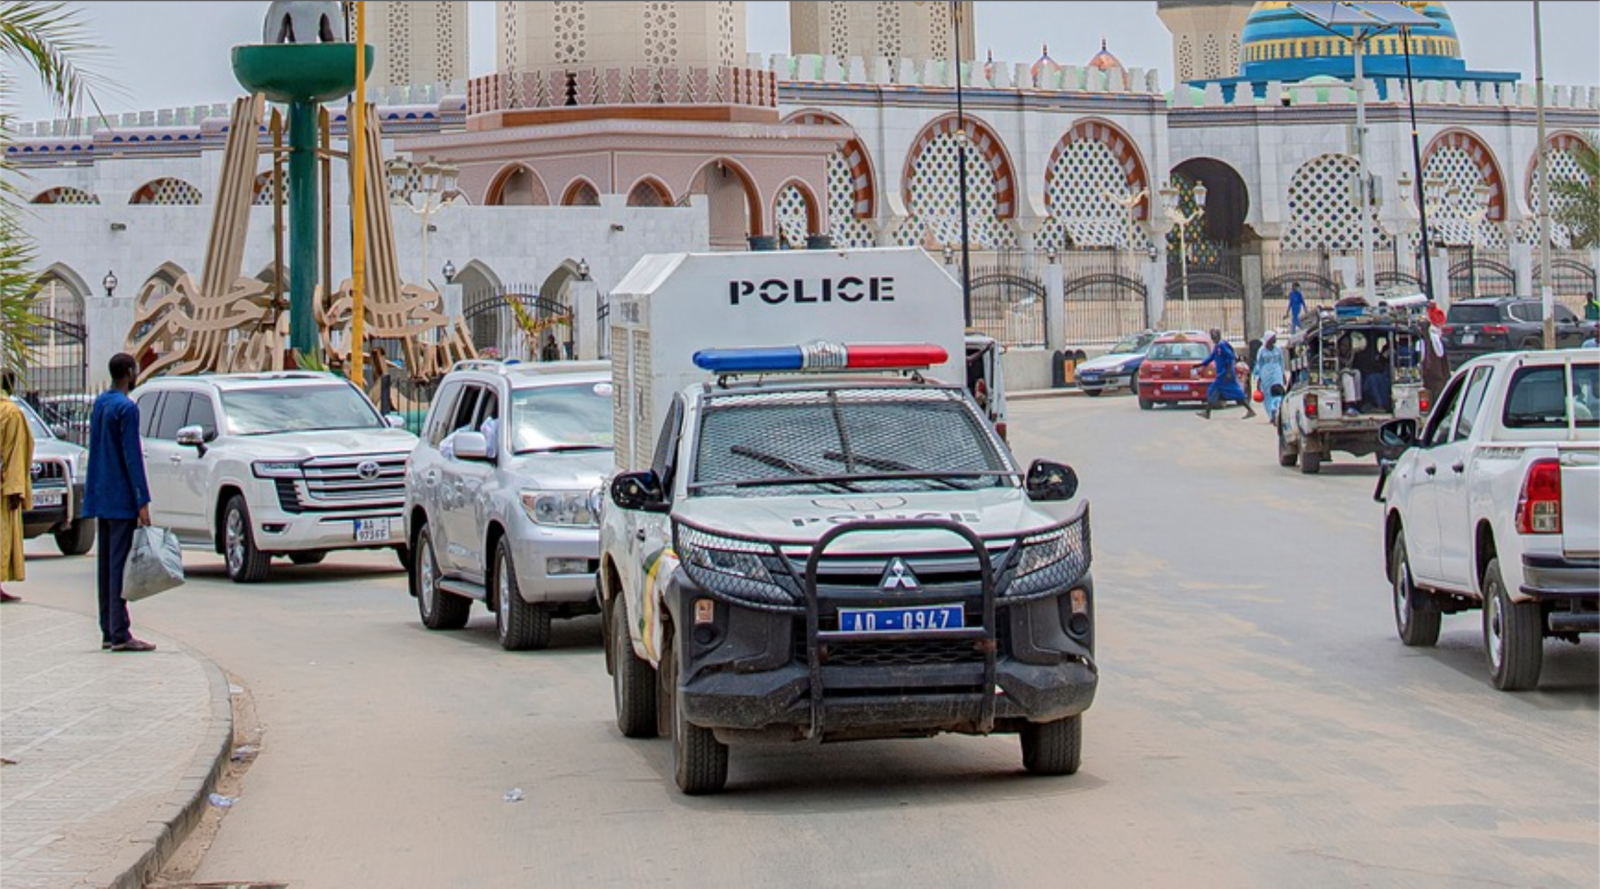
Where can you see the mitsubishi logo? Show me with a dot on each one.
(368, 470)
(898, 576)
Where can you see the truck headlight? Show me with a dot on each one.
(1052, 560)
(276, 468)
(729, 567)
(567, 509)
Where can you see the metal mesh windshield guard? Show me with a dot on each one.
(760, 574)
(845, 439)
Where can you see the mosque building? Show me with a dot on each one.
(614, 129)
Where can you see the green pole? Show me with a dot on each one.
(303, 227)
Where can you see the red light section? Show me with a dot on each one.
(869, 357)
(1539, 505)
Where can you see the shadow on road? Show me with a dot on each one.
(1570, 679)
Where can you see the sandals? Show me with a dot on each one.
(133, 645)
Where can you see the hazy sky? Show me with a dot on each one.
(162, 54)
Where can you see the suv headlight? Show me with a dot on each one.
(1053, 560)
(570, 509)
(276, 468)
(729, 567)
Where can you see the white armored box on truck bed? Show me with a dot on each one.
(670, 306)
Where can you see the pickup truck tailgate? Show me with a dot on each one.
(1580, 500)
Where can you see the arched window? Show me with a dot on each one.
(581, 194)
(166, 191)
(649, 193)
(64, 194)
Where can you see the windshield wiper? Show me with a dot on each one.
(564, 448)
(883, 464)
(784, 463)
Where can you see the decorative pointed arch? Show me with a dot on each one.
(863, 179)
(1123, 150)
(580, 192)
(795, 212)
(649, 192)
(517, 185)
(989, 147)
(701, 180)
(64, 194)
(166, 191)
(1458, 148)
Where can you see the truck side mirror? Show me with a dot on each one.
(639, 491)
(193, 437)
(1049, 481)
(468, 445)
(1397, 435)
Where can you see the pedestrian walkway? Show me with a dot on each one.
(113, 753)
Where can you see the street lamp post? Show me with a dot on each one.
(1172, 203)
(437, 190)
(1127, 200)
(109, 282)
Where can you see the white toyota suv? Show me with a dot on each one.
(272, 464)
(503, 496)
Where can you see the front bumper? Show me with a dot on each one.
(277, 531)
(1100, 381)
(535, 547)
(50, 519)
(753, 673)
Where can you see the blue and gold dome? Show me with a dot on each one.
(1280, 44)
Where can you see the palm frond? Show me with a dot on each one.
(50, 40)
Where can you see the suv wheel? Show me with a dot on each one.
(76, 538)
(1513, 635)
(520, 625)
(699, 760)
(439, 610)
(1415, 617)
(1053, 748)
(246, 563)
(633, 683)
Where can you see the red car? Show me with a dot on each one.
(1171, 372)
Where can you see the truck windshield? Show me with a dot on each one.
(575, 416)
(35, 425)
(846, 440)
(1538, 397)
(297, 409)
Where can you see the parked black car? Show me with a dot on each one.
(1476, 327)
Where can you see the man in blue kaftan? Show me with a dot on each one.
(1226, 385)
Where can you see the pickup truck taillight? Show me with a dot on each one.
(1446, 329)
(1424, 400)
(1496, 328)
(1311, 405)
(1539, 504)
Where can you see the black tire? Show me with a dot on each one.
(1416, 620)
(308, 557)
(76, 538)
(1286, 455)
(438, 609)
(246, 563)
(403, 554)
(1513, 635)
(1310, 461)
(633, 682)
(520, 625)
(1146, 404)
(1133, 386)
(1053, 748)
(1092, 393)
(699, 760)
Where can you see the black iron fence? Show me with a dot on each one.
(1103, 293)
(1008, 295)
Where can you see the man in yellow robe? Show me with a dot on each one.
(16, 485)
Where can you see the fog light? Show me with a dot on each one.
(1080, 600)
(705, 611)
(566, 566)
(1079, 625)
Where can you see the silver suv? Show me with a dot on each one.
(503, 496)
(56, 475)
(272, 464)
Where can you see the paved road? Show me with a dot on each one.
(1257, 725)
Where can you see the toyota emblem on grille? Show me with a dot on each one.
(898, 576)
(368, 470)
(38, 469)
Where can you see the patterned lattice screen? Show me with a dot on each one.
(1082, 190)
(936, 198)
(1322, 209)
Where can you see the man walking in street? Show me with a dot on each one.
(16, 483)
(116, 493)
(1297, 305)
(1226, 386)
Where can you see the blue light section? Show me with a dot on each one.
(751, 360)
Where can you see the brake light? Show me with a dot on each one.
(1496, 328)
(1447, 329)
(1311, 405)
(1424, 400)
(1000, 427)
(1539, 504)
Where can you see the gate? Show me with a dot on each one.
(1571, 280)
(1215, 294)
(56, 381)
(516, 323)
(1008, 298)
(1104, 297)
(603, 326)
(1473, 273)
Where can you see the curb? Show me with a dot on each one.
(1040, 394)
(171, 825)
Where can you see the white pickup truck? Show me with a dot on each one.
(1495, 505)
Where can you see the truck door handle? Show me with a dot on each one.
(1458, 468)
(1431, 470)
(175, 458)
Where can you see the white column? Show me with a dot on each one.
(1055, 307)
(585, 319)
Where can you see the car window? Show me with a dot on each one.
(665, 464)
(149, 405)
(202, 414)
(174, 411)
(444, 406)
(1472, 402)
(488, 407)
(1473, 314)
(1443, 419)
(35, 425)
(466, 407)
(1525, 312)
(571, 415)
(1130, 345)
(1187, 351)
(1538, 397)
(1563, 314)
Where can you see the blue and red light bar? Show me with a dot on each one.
(819, 356)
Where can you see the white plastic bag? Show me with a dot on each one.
(155, 563)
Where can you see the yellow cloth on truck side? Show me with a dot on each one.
(16, 457)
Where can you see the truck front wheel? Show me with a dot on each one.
(76, 538)
(438, 609)
(1053, 748)
(1513, 635)
(633, 683)
(246, 563)
(699, 760)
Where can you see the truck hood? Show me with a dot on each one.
(801, 520)
(564, 471)
(55, 447)
(330, 443)
(1109, 362)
